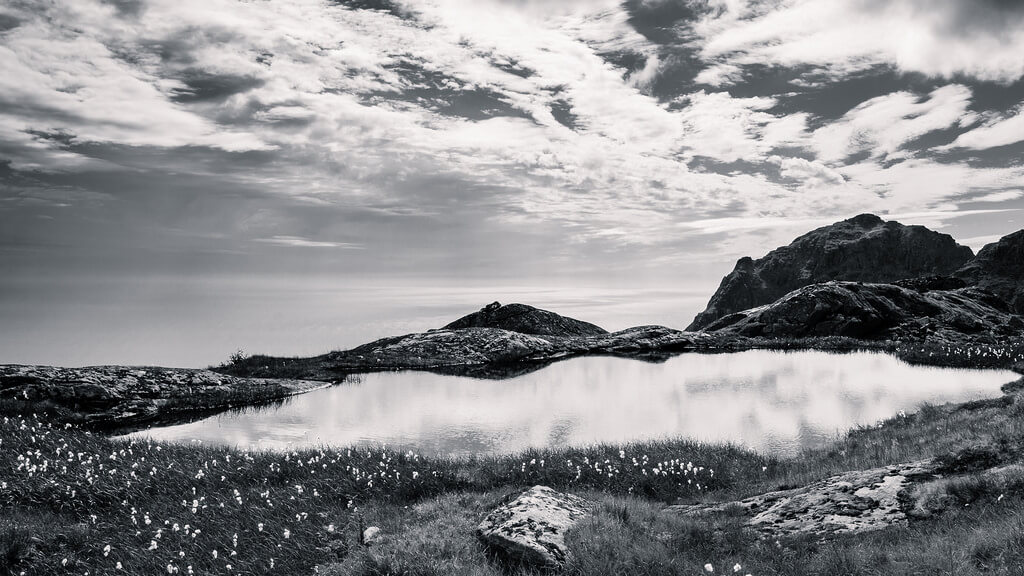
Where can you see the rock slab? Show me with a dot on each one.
(532, 527)
(858, 501)
(861, 501)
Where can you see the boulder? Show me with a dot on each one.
(532, 527)
(864, 249)
(526, 320)
(999, 268)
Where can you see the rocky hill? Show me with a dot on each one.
(877, 311)
(864, 249)
(999, 268)
(525, 320)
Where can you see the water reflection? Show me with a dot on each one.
(772, 401)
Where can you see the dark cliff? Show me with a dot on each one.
(999, 268)
(862, 249)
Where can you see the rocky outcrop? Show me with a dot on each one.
(863, 249)
(483, 351)
(122, 395)
(526, 320)
(861, 501)
(876, 311)
(531, 528)
(999, 268)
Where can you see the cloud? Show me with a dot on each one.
(941, 38)
(1000, 130)
(881, 126)
(299, 242)
(432, 125)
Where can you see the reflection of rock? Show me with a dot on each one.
(527, 320)
(999, 268)
(864, 248)
(531, 529)
(874, 311)
(122, 395)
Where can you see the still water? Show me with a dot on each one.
(776, 402)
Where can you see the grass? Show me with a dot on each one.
(67, 494)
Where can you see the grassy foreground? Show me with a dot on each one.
(76, 502)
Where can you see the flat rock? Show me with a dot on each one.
(858, 501)
(865, 500)
(531, 528)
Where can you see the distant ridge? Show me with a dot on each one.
(864, 248)
(525, 320)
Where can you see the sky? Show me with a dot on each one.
(183, 178)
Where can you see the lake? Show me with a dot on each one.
(775, 402)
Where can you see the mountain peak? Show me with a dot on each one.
(864, 248)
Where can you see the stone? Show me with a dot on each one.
(532, 527)
(863, 249)
(525, 320)
(852, 502)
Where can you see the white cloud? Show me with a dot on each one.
(730, 129)
(300, 242)
(883, 125)
(999, 131)
(324, 92)
(981, 39)
(1004, 196)
(719, 75)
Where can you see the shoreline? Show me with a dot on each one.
(123, 398)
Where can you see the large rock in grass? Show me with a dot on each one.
(525, 320)
(531, 529)
(860, 501)
(875, 499)
(999, 268)
(863, 249)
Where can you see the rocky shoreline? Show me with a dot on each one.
(117, 397)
